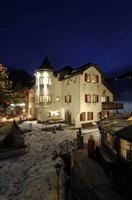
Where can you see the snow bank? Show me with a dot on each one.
(33, 176)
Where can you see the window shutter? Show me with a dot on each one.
(69, 98)
(97, 79)
(108, 99)
(97, 98)
(81, 117)
(86, 77)
(89, 98)
(91, 115)
(87, 115)
(85, 97)
(89, 78)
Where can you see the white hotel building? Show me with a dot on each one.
(75, 95)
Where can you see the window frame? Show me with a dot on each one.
(95, 98)
(87, 98)
(89, 116)
(94, 78)
(41, 80)
(48, 99)
(68, 99)
(42, 97)
(82, 116)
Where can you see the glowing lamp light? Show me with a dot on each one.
(4, 119)
(55, 113)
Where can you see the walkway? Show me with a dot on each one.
(91, 179)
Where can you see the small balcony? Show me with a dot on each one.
(112, 106)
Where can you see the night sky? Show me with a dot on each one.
(73, 32)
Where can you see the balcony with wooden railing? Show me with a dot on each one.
(112, 106)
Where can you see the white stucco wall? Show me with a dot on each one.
(90, 89)
(71, 87)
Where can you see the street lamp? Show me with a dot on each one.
(58, 168)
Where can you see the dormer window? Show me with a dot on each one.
(94, 78)
(87, 77)
(91, 78)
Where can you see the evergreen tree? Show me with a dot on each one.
(6, 93)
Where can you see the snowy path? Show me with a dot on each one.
(32, 176)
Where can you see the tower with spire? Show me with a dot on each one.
(48, 88)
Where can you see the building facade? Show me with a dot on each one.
(74, 95)
(116, 135)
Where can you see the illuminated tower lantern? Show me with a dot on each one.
(48, 92)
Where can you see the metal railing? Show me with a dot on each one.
(82, 190)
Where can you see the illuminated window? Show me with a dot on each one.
(94, 78)
(45, 99)
(48, 114)
(57, 114)
(49, 81)
(45, 80)
(89, 115)
(82, 116)
(58, 99)
(105, 99)
(95, 98)
(41, 98)
(87, 98)
(41, 80)
(68, 98)
(48, 99)
(87, 77)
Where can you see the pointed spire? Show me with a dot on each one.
(46, 64)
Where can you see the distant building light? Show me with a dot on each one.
(3, 119)
(18, 104)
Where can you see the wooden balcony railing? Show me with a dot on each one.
(112, 106)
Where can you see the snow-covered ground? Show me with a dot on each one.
(32, 176)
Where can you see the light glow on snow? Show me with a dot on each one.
(33, 175)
